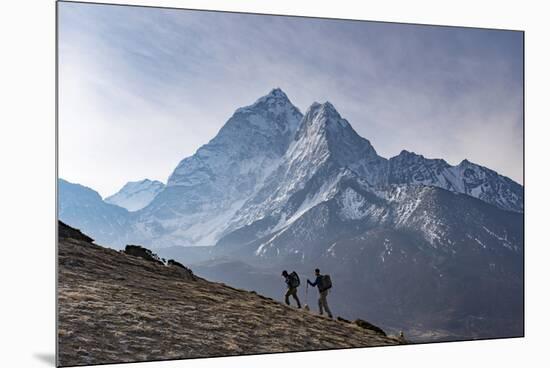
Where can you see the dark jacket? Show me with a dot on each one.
(317, 283)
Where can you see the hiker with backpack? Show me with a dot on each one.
(323, 283)
(292, 282)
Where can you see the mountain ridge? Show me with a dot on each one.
(207, 190)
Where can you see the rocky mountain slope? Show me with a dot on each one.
(114, 307)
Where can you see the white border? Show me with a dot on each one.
(27, 150)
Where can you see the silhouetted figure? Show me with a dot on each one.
(292, 282)
(323, 283)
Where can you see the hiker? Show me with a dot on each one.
(323, 283)
(292, 282)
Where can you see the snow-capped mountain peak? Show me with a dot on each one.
(269, 165)
(275, 93)
(135, 195)
(325, 129)
(273, 105)
(206, 189)
(324, 116)
(262, 130)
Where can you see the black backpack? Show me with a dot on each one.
(326, 282)
(294, 279)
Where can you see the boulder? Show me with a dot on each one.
(141, 252)
(368, 326)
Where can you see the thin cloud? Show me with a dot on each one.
(140, 88)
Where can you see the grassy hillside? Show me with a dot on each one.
(114, 307)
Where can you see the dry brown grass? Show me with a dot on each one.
(117, 308)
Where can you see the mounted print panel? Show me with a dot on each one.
(234, 184)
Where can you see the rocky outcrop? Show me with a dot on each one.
(141, 252)
(181, 268)
(66, 231)
(366, 325)
(369, 326)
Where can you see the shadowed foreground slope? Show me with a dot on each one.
(114, 307)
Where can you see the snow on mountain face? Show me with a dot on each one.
(262, 130)
(135, 195)
(467, 178)
(408, 167)
(269, 165)
(327, 155)
(489, 186)
(439, 218)
(352, 205)
(324, 132)
(206, 189)
(325, 148)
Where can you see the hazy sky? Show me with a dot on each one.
(142, 88)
